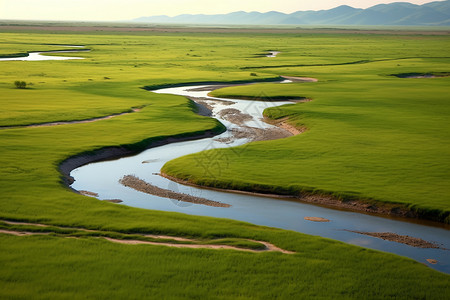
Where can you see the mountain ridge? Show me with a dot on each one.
(398, 13)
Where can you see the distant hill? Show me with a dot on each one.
(399, 13)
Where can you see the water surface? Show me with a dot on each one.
(38, 56)
(103, 177)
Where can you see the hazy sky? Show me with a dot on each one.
(110, 10)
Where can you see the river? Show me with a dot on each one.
(38, 56)
(103, 178)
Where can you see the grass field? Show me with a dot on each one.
(110, 80)
(372, 136)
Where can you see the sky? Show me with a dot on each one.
(118, 10)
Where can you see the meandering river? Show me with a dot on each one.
(103, 178)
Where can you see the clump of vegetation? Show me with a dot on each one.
(253, 74)
(20, 84)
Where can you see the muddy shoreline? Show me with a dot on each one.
(403, 239)
(380, 209)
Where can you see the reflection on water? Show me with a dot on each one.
(103, 177)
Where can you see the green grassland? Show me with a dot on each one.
(110, 81)
(372, 136)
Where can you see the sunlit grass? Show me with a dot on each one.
(110, 80)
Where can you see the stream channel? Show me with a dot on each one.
(103, 178)
(38, 56)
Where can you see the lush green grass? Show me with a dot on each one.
(31, 188)
(371, 136)
(99, 269)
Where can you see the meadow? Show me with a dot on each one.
(372, 136)
(112, 79)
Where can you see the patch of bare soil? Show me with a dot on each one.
(255, 134)
(142, 186)
(235, 116)
(22, 233)
(272, 247)
(300, 79)
(432, 261)
(269, 247)
(316, 219)
(168, 237)
(113, 200)
(283, 123)
(403, 239)
(87, 193)
(24, 223)
(190, 246)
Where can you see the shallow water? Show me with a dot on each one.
(38, 56)
(103, 177)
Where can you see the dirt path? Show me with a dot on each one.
(21, 233)
(185, 242)
(133, 110)
(272, 248)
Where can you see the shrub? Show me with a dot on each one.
(20, 84)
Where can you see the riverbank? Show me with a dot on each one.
(285, 129)
(356, 147)
(325, 198)
(109, 153)
(376, 208)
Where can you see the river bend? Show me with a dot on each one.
(103, 178)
